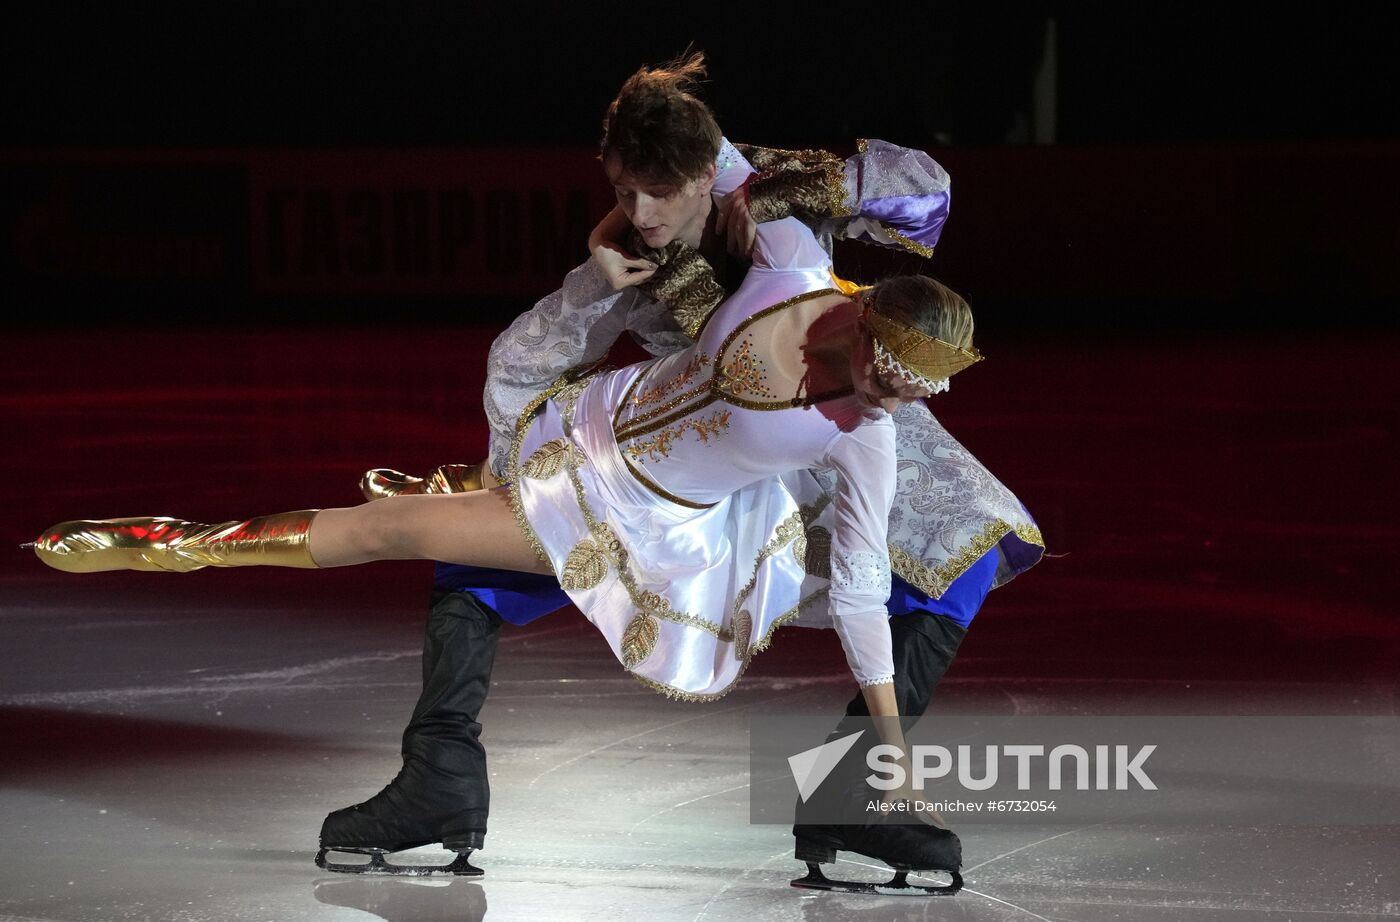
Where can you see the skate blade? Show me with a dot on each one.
(896, 886)
(460, 866)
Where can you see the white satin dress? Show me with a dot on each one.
(674, 500)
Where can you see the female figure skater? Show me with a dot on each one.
(669, 497)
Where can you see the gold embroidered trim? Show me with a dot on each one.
(676, 409)
(570, 382)
(699, 363)
(786, 532)
(570, 385)
(935, 580)
(639, 640)
(793, 403)
(513, 491)
(808, 513)
(517, 505)
(677, 694)
(811, 182)
(567, 399)
(685, 283)
(1031, 535)
(662, 416)
(913, 246)
(739, 330)
(836, 192)
(585, 566)
(643, 423)
(662, 492)
(659, 446)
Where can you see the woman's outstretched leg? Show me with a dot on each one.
(477, 528)
(473, 528)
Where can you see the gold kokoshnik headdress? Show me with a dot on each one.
(917, 357)
(903, 351)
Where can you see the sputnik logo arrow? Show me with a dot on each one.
(810, 768)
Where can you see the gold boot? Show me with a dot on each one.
(383, 482)
(177, 546)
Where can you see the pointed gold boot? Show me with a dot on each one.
(383, 482)
(177, 546)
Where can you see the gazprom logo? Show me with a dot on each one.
(810, 768)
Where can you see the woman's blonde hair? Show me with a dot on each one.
(926, 305)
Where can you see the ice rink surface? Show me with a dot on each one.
(177, 767)
(171, 743)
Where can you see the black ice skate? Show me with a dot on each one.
(442, 793)
(401, 817)
(905, 847)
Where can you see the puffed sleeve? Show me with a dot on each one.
(863, 460)
(570, 329)
(895, 196)
(886, 194)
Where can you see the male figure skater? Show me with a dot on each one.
(668, 163)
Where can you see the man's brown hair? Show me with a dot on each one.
(658, 128)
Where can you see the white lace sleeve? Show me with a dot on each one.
(863, 460)
(573, 327)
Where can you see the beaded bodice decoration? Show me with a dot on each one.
(656, 414)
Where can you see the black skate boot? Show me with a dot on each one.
(904, 846)
(441, 794)
(923, 645)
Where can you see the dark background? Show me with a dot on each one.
(392, 74)
(1228, 163)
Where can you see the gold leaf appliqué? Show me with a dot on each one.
(638, 640)
(743, 630)
(585, 566)
(547, 460)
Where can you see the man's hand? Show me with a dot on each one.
(734, 221)
(623, 269)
